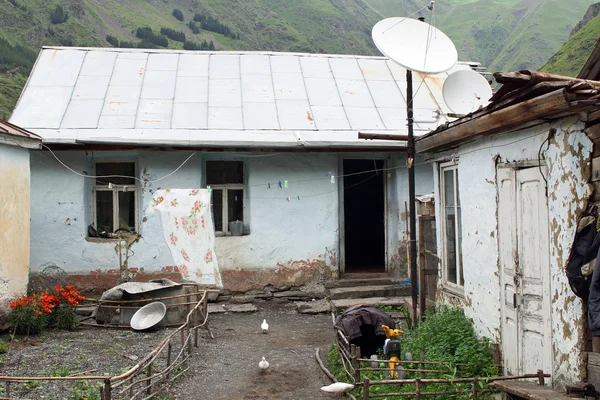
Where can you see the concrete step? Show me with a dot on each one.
(338, 283)
(342, 304)
(360, 292)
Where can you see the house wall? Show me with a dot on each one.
(14, 224)
(290, 243)
(567, 153)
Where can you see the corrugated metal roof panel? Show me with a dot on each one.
(225, 118)
(57, 68)
(322, 92)
(98, 63)
(225, 92)
(330, 117)
(295, 114)
(116, 122)
(255, 64)
(191, 89)
(354, 93)
(386, 94)
(257, 89)
(139, 90)
(42, 107)
(121, 100)
(313, 67)
(82, 114)
(345, 68)
(260, 116)
(285, 64)
(163, 62)
(375, 70)
(364, 118)
(193, 64)
(190, 116)
(289, 86)
(91, 87)
(159, 85)
(224, 66)
(128, 71)
(154, 114)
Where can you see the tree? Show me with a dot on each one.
(178, 14)
(112, 40)
(192, 25)
(211, 46)
(58, 16)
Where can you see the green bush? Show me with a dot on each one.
(448, 336)
(64, 317)
(84, 390)
(3, 347)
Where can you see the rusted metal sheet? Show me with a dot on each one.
(75, 91)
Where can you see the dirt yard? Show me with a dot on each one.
(222, 368)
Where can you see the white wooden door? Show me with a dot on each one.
(507, 228)
(524, 259)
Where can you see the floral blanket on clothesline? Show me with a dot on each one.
(188, 229)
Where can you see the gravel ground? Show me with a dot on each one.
(222, 368)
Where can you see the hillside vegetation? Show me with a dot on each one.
(501, 34)
(571, 57)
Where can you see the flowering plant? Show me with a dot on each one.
(65, 315)
(32, 314)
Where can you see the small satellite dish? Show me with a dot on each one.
(465, 91)
(415, 45)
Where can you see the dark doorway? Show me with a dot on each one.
(364, 216)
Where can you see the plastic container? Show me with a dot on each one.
(236, 228)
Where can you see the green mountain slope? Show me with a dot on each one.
(571, 57)
(501, 34)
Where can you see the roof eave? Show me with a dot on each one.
(535, 111)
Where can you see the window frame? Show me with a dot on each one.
(115, 191)
(224, 190)
(453, 286)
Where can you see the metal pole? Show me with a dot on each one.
(410, 160)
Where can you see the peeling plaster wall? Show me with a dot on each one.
(289, 242)
(567, 157)
(14, 224)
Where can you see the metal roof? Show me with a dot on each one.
(13, 135)
(190, 98)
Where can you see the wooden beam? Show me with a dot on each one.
(499, 121)
(591, 68)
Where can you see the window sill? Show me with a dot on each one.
(91, 239)
(454, 290)
(223, 235)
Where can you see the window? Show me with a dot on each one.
(452, 272)
(226, 180)
(115, 198)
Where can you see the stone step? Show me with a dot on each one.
(359, 292)
(342, 304)
(360, 282)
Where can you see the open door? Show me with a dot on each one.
(364, 216)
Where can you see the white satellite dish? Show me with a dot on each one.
(415, 45)
(465, 91)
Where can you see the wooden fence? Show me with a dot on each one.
(169, 360)
(353, 365)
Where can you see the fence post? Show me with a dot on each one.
(7, 389)
(366, 389)
(196, 336)
(422, 363)
(475, 388)
(418, 389)
(149, 374)
(357, 354)
(107, 390)
(541, 380)
(353, 361)
(168, 359)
